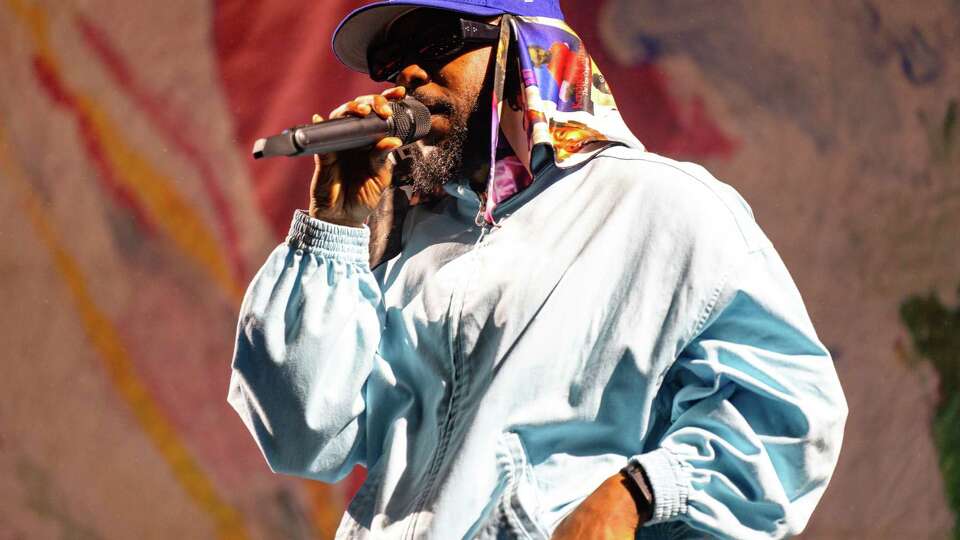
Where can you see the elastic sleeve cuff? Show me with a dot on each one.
(340, 242)
(669, 481)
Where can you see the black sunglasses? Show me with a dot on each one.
(387, 57)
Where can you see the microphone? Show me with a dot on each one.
(410, 122)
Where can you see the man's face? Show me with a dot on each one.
(451, 89)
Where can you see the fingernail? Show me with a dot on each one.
(317, 118)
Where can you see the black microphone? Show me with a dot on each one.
(410, 122)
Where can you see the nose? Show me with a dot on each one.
(413, 77)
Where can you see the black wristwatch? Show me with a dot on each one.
(639, 486)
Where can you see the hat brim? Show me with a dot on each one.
(358, 29)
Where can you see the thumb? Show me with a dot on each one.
(380, 162)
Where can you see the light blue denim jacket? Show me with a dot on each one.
(491, 378)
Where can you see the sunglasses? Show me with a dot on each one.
(387, 57)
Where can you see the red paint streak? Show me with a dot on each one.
(353, 482)
(163, 120)
(50, 81)
(668, 127)
(662, 122)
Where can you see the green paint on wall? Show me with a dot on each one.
(935, 331)
(943, 135)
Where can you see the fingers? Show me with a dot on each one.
(377, 104)
(388, 144)
(379, 162)
(382, 107)
(359, 106)
(351, 108)
(318, 160)
(363, 105)
(322, 159)
(397, 92)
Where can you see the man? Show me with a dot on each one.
(576, 338)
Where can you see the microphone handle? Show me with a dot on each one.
(341, 134)
(329, 136)
(410, 121)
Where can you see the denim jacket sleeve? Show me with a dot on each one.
(306, 343)
(756, 413)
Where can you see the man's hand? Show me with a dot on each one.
(347, 185)
(609, 513)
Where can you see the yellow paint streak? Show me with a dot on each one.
(154, 190)
(37, 23)
(118, 363)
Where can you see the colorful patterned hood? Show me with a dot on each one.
(564, 114)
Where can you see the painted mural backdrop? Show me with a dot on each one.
(131, 219)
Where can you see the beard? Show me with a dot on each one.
(444, 162)
(448, 160)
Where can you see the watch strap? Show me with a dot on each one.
(639, 486)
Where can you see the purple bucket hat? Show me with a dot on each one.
(355, 32)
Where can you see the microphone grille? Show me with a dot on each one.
(411, 120)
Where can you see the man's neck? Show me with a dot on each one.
(476, 165)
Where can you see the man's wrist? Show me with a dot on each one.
(336, 219)
(636, 482)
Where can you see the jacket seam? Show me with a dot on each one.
(527, 523)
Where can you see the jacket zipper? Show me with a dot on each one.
(457, 387)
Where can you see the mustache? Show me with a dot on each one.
(436, 105)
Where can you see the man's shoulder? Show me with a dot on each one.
(671, 192)
(656, 175)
